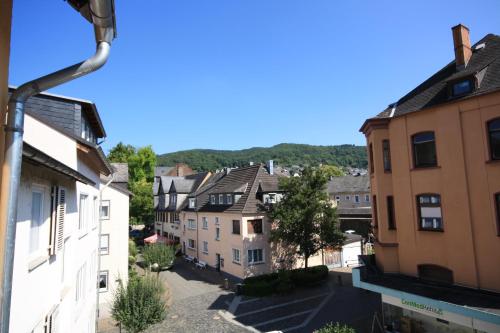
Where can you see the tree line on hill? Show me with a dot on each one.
(285, 154)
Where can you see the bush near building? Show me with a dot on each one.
(160, 254)
(284, 281)
(335, 328)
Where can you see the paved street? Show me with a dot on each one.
(199, 304)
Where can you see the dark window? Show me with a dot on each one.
(254, 226)
(494, 138)
(435, 273)
(497, 206)
(424, 150)
(103, 281)
(374, 203)
(236, 227)
(386, 152)
(429, 212)
(462, 87)
(372, 169)
(391, 218)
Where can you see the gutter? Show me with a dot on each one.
(101, 13)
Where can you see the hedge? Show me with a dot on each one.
(284, 281)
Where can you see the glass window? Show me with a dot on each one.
(424, 150)
(217, 233)
(391, 219)
(494, 138)
(236, 255)
(103, 281)
(104, 244)
(212, 199)
(205, 247)
(386, 152)
(105, 210)
(337, 198)
(204, 221)
(191, 224)
(229, 199)
(254, 226)
(429, 212)
(347, 198)
(36, 219)
(356, 198)
(367, 197)
(497, 204)
(84, 212)
(236, 227)
(221, 199)
(191, 244)
(192, 202)
(462, 87)
(370, 152)
(255, 256)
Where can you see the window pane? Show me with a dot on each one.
(462, 88)
(425, 152)
(36, 220)
(494, 138)
(386, 155)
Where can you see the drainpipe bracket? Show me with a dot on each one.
(13, 129)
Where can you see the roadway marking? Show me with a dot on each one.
(230, 318)
(280, 305)
(250, 300)
(234, 304)
(282, 318)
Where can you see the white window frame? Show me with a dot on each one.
(236, 255)
(189, 244)
(192, 202)
(212, 199)
(204, 221)
(38, 251)
(191, 224)
(83, 214)
(229, 199)
(251, 257)
(105, 203)
(106, 274)
(356, 198)
(221, 199)
(205, 247)
(101, 252)
(367, 198)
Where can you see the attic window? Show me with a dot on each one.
(192, 202)
(462, 87)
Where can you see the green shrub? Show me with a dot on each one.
(259, 288)
(310, 276)
(139, 304)
(161, 254)
(337, 328)
(132, 248)
(264, 277)
(285, 283)
(131, 260)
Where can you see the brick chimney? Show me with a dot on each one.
(461, 43)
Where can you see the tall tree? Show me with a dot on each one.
(305, 219)
(141, 164)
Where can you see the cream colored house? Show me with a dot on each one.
(114, 217)
(224, 226)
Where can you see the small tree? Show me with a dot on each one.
(337, 328)
(160, 254)
(139, 304)
(305, 219)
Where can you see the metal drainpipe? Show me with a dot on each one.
(99, 249)
(102, 12)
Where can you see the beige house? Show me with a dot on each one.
(223, 225)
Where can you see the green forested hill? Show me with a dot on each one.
(285, 154)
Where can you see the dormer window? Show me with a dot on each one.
(462, 87)
(173, 199)
(192, 202)
(221, 199)
(229, 199)
(212, 199)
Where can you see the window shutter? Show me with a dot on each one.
(60, 214)
(53, 218)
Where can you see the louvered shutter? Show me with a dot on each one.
(61, 213)
(53, 219)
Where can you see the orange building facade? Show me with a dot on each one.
(435, 185)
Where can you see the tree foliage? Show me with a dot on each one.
(284, 154)
(141, 164)
(160, 254)
(305, 219)
(139, 304)
(335, 328)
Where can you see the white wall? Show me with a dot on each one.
(350, 253)
(40, 283)
(116, 262)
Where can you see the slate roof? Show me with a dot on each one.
(247, 179)
(162, 171)
(349, 184)
(121, 172)
(433, 91)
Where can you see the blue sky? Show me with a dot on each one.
(232, 74)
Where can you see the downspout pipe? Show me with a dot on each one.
(99, 248)
(102, 12)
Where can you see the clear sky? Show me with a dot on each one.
(231, 74)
